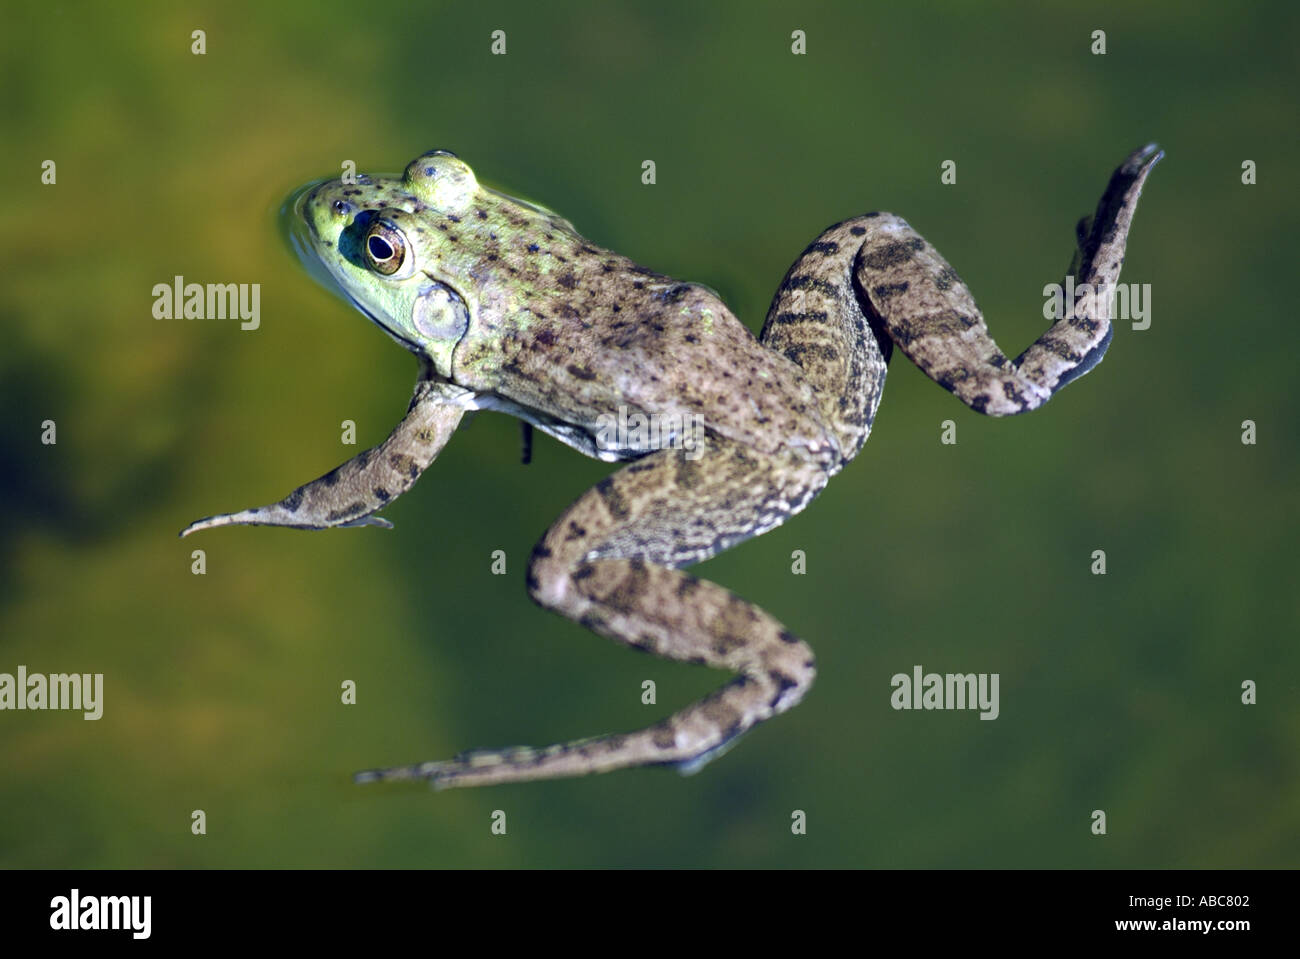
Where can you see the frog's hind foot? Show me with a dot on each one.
(683, 741)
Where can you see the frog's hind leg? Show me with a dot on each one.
(610, 563)
(349, 494)
(907, 294)
(933, 318)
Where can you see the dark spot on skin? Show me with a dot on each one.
(663, 737)
(575, 532)
(404, 464)
(330, 478)
(1014, 395)
(886, 290)
(580, 373)
(592, 622)
(381, 494)
(945, 279)
(545, 338)
(687, 473)
(532, 583)
(568, 281)
(980, 404)
(783, 683)
(293, 501)
(818, 351)
(811, 316)
(858, 230)
(725, 643)
(674, 294)
(809, 282)
(638, 285)
(481, 215)
(824, 247)
(453, 218)
(348, 512)
(541, 552)
(895, 253)
(533, 247)
(582, 571)
(787, 637)
(614, 501)
(1063, 351)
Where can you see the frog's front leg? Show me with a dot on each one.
(349, 494)
(610, 563)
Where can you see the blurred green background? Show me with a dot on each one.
(1118, 692)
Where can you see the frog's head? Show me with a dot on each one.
(389, 245)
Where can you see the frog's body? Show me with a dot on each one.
(509, 308)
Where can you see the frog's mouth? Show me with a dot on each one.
(297, 229)
(301, 237)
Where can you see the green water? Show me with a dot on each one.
(1119, 693)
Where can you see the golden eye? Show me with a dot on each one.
(385, 248)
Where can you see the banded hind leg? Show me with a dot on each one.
(611, 564)
(873, 282)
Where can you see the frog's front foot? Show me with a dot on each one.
(349, 494)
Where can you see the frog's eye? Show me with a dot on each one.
(385, 248)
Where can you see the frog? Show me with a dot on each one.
(508, 308)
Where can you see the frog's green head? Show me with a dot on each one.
(389, 245)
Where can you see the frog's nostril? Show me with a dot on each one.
(342, 207)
